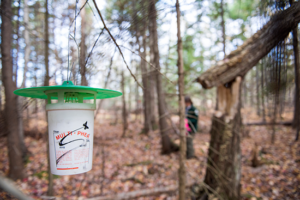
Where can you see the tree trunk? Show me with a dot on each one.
(17, 46)
(223, 172)
(83, 48)
(182, 155)
(27, 42)
(262, 91)
(16, 166)
(46, 83)
(167, 145)
(105, 84)
(27, 51)
(223, 28)
(137, 96)
(146, 91)
(296, 120)
(74, 70)
(240, 61)
(245, 93)
(284, 78)
(251, 89)
(1, 114)
(129, 101)
(257, 91)
(152, 86)
(145, 75)
(124, 111)
(277, 87)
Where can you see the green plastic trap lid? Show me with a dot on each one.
(39, 92)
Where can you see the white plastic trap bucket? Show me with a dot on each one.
(70, 123)
(70, 126)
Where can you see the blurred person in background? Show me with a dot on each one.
(191, 114)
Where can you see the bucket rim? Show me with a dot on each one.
(39, 92)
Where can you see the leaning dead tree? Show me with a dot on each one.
(240, 61)
(223, 172)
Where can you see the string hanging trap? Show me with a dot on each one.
(70, 123)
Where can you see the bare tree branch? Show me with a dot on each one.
(148, 63)
(93, 47)
(112, 37)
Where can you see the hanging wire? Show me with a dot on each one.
(74, 38)
(68, 57)
(75, 18)
(70, 35)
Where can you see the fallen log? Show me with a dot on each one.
(240, 61)
(286, 123)
(9, 186)
(140, 193)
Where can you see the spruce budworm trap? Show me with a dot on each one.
(70, 110)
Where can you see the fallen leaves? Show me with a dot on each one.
(134, 163)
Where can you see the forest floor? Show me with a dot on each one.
(134, 163)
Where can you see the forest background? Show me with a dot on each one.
(134, 47)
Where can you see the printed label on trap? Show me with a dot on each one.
(72, 149)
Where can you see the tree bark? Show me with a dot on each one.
(245, 93)
(17, 45)
(257, 90)
(251, 89)
(16, 166)
(27, 42)
(124, 111)
(167, 145)
(262, 92)
(277, 88)
(105, 84)
(223, 172)
(137, 95)
(240, 61)
(153, 99)
(296, 120)
(26, 60)
(182, 155)
(83, 48)
(145, 75)
(146, 91)
(46, 83)
(74, 70)
(1, 114)
(223, 27)
(47, 77)
(152, 86)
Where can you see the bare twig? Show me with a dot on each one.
(78, 13)
(148, 63)
(93, 47)
(112, 37)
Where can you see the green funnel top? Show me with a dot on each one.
(39, 92)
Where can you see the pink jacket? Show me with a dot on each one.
(187, 127)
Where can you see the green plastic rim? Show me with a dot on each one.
(39, 92)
